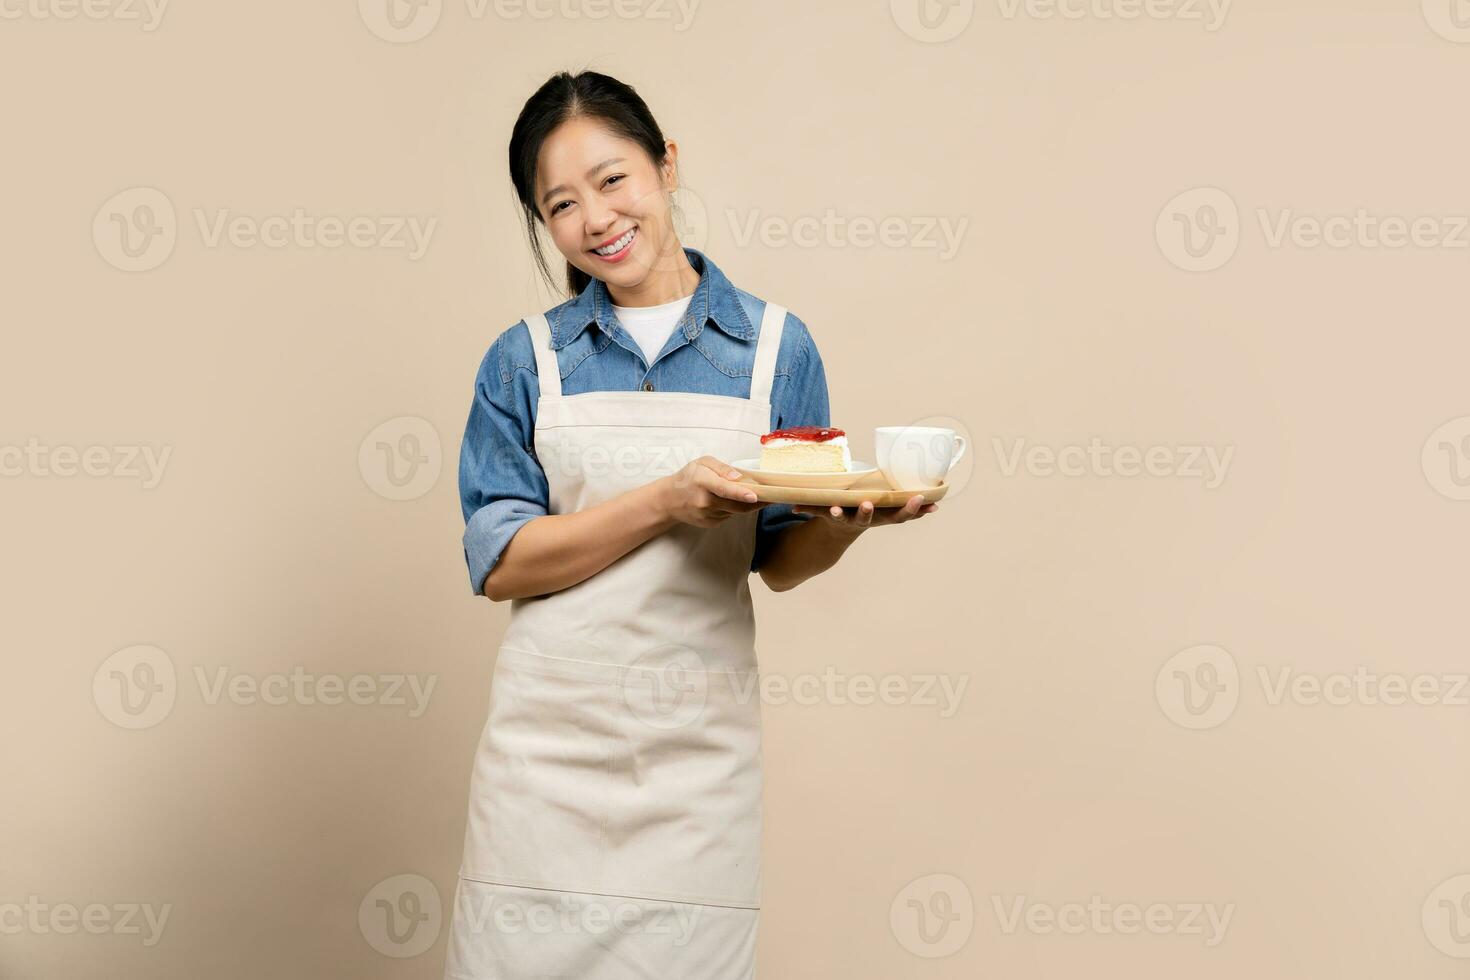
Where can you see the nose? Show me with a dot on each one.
(599, 220)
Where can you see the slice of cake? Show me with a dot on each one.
(806, 449)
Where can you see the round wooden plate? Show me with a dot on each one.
(873, 487)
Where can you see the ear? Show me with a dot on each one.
(670, 171)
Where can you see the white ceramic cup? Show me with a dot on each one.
(916, 457)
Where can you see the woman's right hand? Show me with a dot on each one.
(705, 494)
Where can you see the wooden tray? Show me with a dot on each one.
(872, 487)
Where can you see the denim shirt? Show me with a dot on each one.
(711, 351)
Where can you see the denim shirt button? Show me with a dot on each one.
(648, 386)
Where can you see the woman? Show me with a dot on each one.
(614, 822)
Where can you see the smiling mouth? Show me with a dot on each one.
(619, 246)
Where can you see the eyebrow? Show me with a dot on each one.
(561, 187)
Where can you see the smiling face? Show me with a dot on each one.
(606, 203)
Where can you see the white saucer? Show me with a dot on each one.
(806, 481)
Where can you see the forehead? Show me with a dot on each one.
(576, 146)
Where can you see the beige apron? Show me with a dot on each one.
(616, 794)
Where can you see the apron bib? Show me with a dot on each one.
(620, 761)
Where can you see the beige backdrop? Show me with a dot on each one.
(1172, 685)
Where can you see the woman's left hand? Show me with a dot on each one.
(865, 515)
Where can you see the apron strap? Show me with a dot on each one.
(548, 373)
(768, 343)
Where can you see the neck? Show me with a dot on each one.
(671, 278)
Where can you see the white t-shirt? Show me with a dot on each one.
(651, 326)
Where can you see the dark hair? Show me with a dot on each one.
(565, 96)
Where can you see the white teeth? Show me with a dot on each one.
(618, 245)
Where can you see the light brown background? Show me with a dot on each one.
(1061, 318)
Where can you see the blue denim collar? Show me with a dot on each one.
(714, 301)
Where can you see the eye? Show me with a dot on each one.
(557, 207)
(613, 178)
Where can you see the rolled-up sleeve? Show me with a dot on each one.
(798, 397)
(501, 485)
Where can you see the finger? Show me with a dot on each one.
(718, 485)
(864, 515)
(736, 506)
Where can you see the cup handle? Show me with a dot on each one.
(959, 455)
